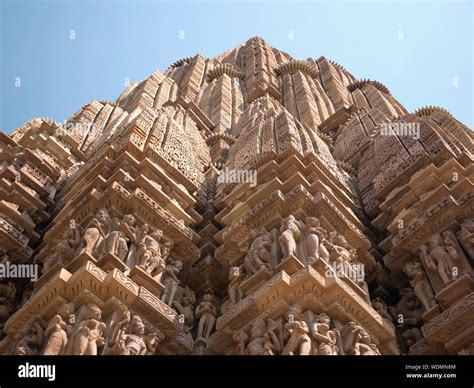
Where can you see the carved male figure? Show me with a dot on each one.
(88, 335)
(133, 340)
(314, 236)
(325, 338)
(30, 340)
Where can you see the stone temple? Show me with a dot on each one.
(248, 204)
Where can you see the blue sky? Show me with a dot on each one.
(422, 51)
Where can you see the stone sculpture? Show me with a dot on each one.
(290, 232)
(438, 260)
(356, 341)
(314, 239)
(234, 290)
(206, 313)
(258, 255)
(324, 337)
(185, 307)
(117, 241)
(171, 281)
(148, 253)
(65, 249)
(296, 333)
(58, 330)
(420, 283)
(87, 337)
(7, 296)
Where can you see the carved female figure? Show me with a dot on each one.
(116, 242)
(439, 259)
(88, 336)
(134, 341)
(171, 281)
(449, 241)
(235, 279)
(149, 251)
(65, 249)
(256, 346)
(96, 230)
(314, 236)
(290, 232)
(258, 255)
(206, 313)
(58, 330)
(420, 283)
(30, 339)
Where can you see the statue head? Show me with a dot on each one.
(207, 297)
(157, 234)
(66, 310)
(435, 240)
(412, 269)
(447, 235)
(378, 303)
(136, 325)
(423, 249)
(254, 233)
(102, 215)
(178, 264)
(94, 312)
(364, 336)
(341, 241)
(312, 221)
(129, 219)
(323, 318)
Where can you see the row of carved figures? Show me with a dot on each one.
(137, 246)
(307, 241)
(85, 332)
(303, 333)
(443, 260)
(141, 246)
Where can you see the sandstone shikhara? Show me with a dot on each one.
(350, 239)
